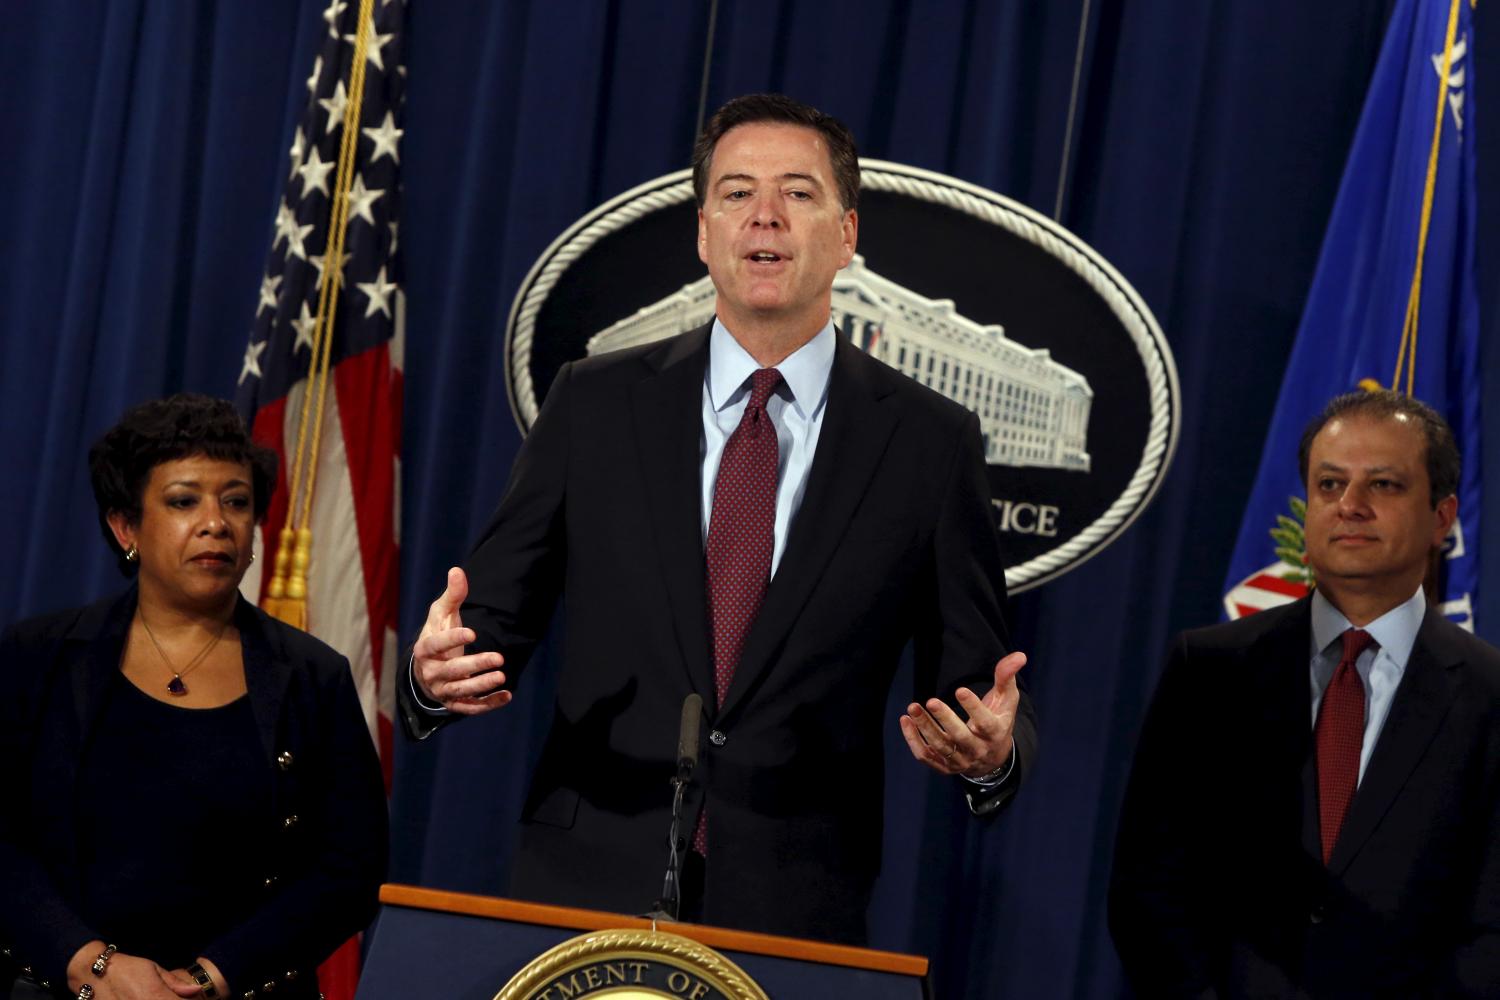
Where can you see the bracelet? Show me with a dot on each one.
(85, 992)
(102, 962)
(204, 980)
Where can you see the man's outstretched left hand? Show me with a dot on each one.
(938, 738)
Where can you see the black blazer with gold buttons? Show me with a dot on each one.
(326, 833)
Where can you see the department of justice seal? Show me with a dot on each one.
(631, 965)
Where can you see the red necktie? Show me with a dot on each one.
(741, 537)
(741, 530)
(1339, 734)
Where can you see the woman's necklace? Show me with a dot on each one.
(175, 685)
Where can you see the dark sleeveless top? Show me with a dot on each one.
(171, 812)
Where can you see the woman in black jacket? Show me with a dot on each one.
(193, 804)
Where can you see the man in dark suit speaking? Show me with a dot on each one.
(1314, 809)
(757, 512)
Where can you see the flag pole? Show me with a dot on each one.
(1408, 348)
(286, 596)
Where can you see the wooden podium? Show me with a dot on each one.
(428, 943)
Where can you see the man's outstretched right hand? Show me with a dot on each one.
(465, 683)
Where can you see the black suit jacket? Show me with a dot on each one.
(894, 539)
(1219, 886)
(321, 873)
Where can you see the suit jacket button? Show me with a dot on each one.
(284, 760)
(268, 987)
(291, 975)
(717, 738)
(1317, 914)
(289, 822)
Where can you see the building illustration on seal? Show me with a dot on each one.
(1032, 410)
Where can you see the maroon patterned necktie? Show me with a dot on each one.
(1340, 733)
(741, 529)
(741, 538)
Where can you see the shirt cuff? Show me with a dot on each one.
(422, 701)
(998, 777)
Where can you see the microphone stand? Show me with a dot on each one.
(670, 904)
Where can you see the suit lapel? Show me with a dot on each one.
(1422, 700)
(1282, 762)
(90, 659)
(667, 410)
(856, 428)
(267, 673)
(100, 634)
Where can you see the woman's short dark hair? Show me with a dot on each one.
(779, 109)
(163, 430)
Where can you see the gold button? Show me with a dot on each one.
(291, 975)
(270, 881)
(289, 822)
(268, 987)
(248, 995)
(284, 760)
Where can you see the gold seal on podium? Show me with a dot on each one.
(631, 965)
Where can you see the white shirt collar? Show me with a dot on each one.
(805, 371)
(1395, 631)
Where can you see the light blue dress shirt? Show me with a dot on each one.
(795, 408)
(1380, 668)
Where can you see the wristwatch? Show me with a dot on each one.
(1002, 771)
(204, 980)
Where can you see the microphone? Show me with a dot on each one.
(670, 903)
(687, 736)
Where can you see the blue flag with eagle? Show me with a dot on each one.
(1393, 302)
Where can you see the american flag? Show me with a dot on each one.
(353, 511)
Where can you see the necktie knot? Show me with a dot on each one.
(763, 382)
(1356, 641)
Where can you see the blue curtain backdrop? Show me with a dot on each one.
(144, 144)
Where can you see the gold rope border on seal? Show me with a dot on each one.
(1406, 354)
(286, 596)
(627, 945)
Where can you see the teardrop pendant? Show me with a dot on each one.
(176, 687)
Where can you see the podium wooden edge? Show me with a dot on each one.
(770, 945)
